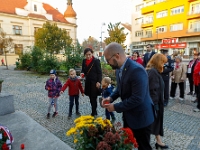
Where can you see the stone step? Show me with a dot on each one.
(27, 131)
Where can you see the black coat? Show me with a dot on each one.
(147, 58)
(156, 87)
(192, 69)
(93, 74)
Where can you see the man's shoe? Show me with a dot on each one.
(48, 115)
(194, 100)
(194, 95)
(196, 110)
(190, 93)
(55, 114)
(181, 99)
(78, 113)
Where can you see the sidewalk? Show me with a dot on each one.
(181, 124)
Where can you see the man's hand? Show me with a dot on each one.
(105, 101)
(83, 94)
(61, 92)
(110, 107)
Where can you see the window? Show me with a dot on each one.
(139, 7)
(149, 19)
(149, 3)
(176, 27)
(195, 26)
(148, 33)
(139, 20)
(138, 33)
(177, 10)
(161, 29)
(159, 1)
(17, 30)
(195, 8)
(161, 14)
(35, 7)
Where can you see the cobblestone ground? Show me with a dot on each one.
(181, 124)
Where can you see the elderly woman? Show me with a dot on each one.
(178, 76)
(91, 68)
(156, 86)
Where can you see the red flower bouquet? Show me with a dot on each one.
(3, 139)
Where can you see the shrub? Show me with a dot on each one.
(25, 61)
(37, 55)
(48, 63)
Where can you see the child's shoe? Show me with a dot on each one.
(55, 114)
(48, 115)
(113, 118)
(78, 113)
(69, 116)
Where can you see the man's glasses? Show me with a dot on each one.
(107, 60)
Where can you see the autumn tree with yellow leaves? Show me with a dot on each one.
(116, 34)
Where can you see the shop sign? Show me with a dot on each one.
(172, 45)
(169, 41)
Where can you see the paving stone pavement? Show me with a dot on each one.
(181, 124)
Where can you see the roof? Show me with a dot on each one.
(127, 26)
(8, 7)
(70, 11)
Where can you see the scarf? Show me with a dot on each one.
(177, 66)
(87, 62)
(73, 79)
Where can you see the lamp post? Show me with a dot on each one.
(101, 46)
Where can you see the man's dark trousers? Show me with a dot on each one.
(166, 89)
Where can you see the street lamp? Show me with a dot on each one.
(101, 46)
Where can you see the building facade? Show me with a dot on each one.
(20, 19)
(172, 24)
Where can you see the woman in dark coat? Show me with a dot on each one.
(91, 68)
(156, 87)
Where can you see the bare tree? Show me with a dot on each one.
(6, 43)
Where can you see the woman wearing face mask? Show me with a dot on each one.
(91, 68)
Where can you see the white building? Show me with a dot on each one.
(21, 18)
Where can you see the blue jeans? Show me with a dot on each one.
(71, 103)
(108, 114)
(55, 104)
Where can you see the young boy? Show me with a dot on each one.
(74, 85)
(107, 89)
(53, 86)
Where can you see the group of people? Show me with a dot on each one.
(142, 86)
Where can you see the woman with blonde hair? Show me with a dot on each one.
(156, 86)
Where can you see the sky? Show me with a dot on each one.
(91, 14)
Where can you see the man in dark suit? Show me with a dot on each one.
(148, 55)
(133, 89)
(167, 68)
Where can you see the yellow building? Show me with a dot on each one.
(172, 24)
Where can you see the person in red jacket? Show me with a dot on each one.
(196, 78)
(136, 57)
(74, 85)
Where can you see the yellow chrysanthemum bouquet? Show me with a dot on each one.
(90, 134)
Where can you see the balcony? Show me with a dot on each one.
(194, 30)
(147, 9)
(147, 24)
(191, 0)
(148, 35)
(193, 15)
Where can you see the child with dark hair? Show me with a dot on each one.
(74, 85)
(53, 86)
